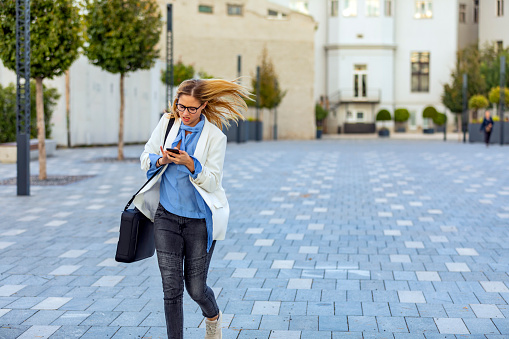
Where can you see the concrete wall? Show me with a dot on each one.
(214, 43)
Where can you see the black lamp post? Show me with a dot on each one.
(502, 98)
(464, 114)
(169, 55)
(23, 96)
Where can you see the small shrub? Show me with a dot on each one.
(429, 112)
(320, 112)
(440, 119)
(8, 122)
(478, 101)
(383, 115)
(494, 95)
(401, 115)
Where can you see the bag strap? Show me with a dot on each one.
(170, 124)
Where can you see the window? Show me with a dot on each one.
(463, 13)
(420, 71)
(500, 7)
(423, 9)
(350, 8)
(205, 9)
(372, 7)
(334, 7)
(301, 6)
(360, 81)
(500, 46)
(360, 116)
(388, 7)
(476, 11)
(276, 15)
(234, 9)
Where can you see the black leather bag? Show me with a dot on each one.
(136, 240)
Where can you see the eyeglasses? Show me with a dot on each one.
(191, 110)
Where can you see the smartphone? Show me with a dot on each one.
(173, 150)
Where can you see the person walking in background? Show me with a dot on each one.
(487, 127)
(188, 204)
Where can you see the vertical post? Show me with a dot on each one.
(502, 97)
(23, 96)
(239, 67)
(169, 55)
(258, 103)
(464, 114)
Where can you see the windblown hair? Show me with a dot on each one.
(225, 99)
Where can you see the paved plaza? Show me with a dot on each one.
(327, 239)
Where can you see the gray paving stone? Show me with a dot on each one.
(362, 324)
(351, 268)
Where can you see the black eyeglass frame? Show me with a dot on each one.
(191, 110)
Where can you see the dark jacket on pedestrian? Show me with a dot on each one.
(486, 122)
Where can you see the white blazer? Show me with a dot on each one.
(210, 152)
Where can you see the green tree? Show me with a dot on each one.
(320, 114)
(181, 72)
(55, 32)
(270, 95)
(490, 64)
(494, 95)
(122, 36)
(476, 103)
(8, 111)
(467, 61)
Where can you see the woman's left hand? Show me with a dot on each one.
(183, 159)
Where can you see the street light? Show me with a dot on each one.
(23, 96)
(169, 55)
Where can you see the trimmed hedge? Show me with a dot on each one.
(440, 119)
(8, 122)
(401, 115)
(429, 112)
(383, 115)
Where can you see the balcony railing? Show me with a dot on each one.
(347, 96)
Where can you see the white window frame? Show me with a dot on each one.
(349, 8)
(234, 9)
(462, 15)
(334, 8)
(388, 8)
(499, 8)
(423, 9)
(372, 8)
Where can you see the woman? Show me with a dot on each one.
(487, 127)
(188, 205)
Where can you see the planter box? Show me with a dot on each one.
(475, 135)
(9, 151)
(359, 127)
(383, 133)
(319, 133)
(428, 131)
(255, 130)
(400, 127)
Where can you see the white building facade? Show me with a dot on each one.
(494, 23)
(210, 35)
(386, 54)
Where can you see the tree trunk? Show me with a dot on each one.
(121, 120)
(41, 131)
(68, 105)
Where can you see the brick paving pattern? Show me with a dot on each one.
(327, 239)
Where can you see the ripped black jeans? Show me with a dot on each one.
(181, 245)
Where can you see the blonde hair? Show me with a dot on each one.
(225, 99)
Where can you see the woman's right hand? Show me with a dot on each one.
(166, 157)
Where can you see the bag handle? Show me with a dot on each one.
(170, 124)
